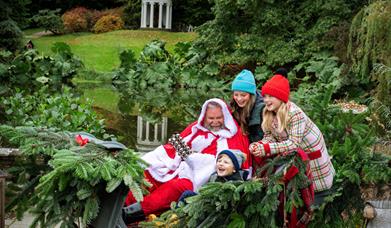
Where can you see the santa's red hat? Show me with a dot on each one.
(277, 86)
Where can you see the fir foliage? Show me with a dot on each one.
(60, 183)
(240, 204)
(10, 35)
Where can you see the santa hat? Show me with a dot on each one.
(237, 157)
(277, 86)
(230, 125)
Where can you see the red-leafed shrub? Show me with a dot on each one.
(95, 16)
(98, 14)
(108, 23)
(80, 19)
(76, 20)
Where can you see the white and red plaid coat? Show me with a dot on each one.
(302, 133)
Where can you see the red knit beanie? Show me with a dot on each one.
(277, 86)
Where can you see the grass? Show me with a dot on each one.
(100, 52)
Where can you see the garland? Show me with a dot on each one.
(57, 180)
(253, 203)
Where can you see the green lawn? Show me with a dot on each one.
(100, 51)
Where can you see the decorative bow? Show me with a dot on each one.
(80, 140)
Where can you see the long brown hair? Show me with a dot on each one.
(242, 115)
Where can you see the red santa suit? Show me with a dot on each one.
(171, 176)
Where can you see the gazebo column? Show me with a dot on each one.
(160, 14)
(151, 16)
(143, 14)
(168, 16)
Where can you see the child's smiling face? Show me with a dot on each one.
(224, 166)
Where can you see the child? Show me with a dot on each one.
(287, 128)
(228, 168)
(247, 105)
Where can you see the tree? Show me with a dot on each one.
(271, 32)
(132, 14)
(10, 35)
(190, 12)
(50, 20)
(370, 53)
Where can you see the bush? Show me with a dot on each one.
(62, 111)
(31, 70)
(98, 14)
(108, 23)
(81, 19)
(10, 35)
(49, 20)
(76, 20)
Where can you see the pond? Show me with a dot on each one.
(144, 120)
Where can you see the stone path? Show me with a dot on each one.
(27, 220)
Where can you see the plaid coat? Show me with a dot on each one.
(302, 133)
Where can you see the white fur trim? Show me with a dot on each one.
(199, 143)
(229, 122)
(222, 144)
(198, 168)
(160, 164)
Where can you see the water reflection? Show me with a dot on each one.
(127, 112)
(150, 135)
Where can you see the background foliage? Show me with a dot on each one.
(59, 181)
(50, 20)
(62, 111)
(271, 32)
(30, 70)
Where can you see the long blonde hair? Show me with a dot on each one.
(281, 115)
(242, 115)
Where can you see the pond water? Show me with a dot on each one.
(136, 118)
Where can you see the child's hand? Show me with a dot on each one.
(257, 149)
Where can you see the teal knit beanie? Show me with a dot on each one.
(244, 82)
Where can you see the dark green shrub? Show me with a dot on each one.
(10, 35)
(50, 20)
(191, 12)
(31, 70)
(16, 10)
(62, 111)
(108, 23)
(132, 14)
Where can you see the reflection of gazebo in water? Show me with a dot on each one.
(150, 136)
(165, 13)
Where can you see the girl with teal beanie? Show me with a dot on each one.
(247, 105)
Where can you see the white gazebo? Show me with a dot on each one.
(147, 13)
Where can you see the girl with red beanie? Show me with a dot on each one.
(287, 128)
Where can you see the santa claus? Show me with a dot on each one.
(172, 174)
